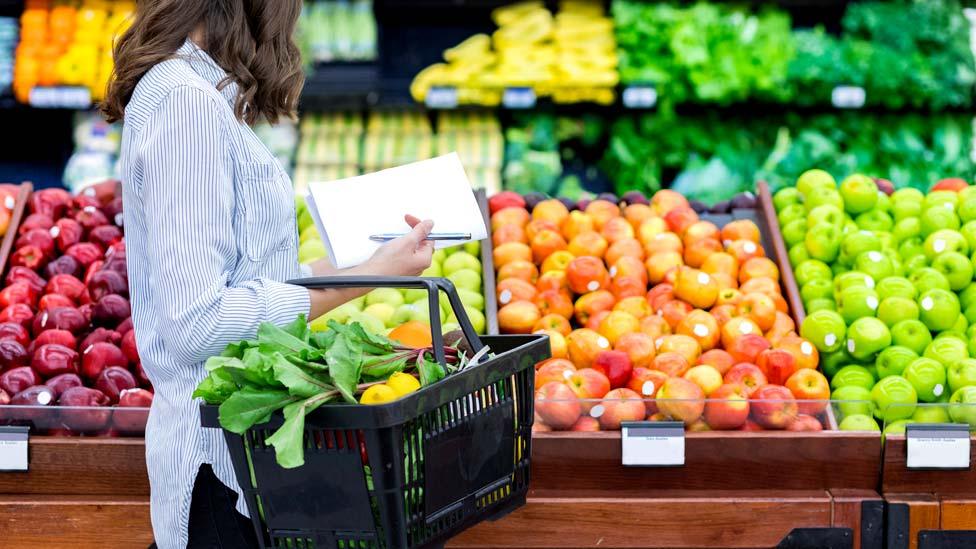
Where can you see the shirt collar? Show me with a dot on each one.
(208, 69)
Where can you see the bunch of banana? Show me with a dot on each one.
(571, 57)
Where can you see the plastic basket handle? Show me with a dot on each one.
(432, 285)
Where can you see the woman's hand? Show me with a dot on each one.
(408, 255)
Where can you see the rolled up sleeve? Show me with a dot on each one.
(188, 190)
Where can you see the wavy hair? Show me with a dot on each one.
(253, 40)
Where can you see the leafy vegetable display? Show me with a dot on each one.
(297, 370)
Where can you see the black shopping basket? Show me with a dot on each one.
(411, 473)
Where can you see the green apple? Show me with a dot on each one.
(858, 422)
(794, 232)
(852, 374)
(852, 279)
(893, 360)
(897, 265)
(472, 299)
(874, 264)
(460, 260)
(957, 334)
(887, 241)
(813, 179)
(850, 226)
(913, 264)
(866, 337)
(961, 374)
(895, 286)
(407, 312)
(413, 295)
(824, 215)
(857, 302)
(931, 413)
(798, 253)
(874, 220)
(858, 242)
(439, 256)
(939, 309)
(962, 406)
(473, 247)
(434, 271)
(967, 193)
(893, 310)
(308, 233)
(968, 231)
(896, 427)
(910, 227)
(812, 269)
(941, 199)
(825, 329)
(391, 296)
(912, 334)
(927, 278)
(911, 248)
(823, 242)
(831, 363)
(894, 398)
(786, 196)
(817, 288)
(369, 323)
(853, 399)
(449, 327)
(928, 377)
(909, 195)
(883, 203)
(793, 212)
(935, 219)
(957, 268)
(859, 192)
(468, 279)
(383, 312)
(819, 304)
(823, 196)
(945, 240)
(477, 319)
(960, 326)
(970, 313)
(966, 209)
(305, 219)
(947, 350)
(839, 269)
(905, 210)
(341, 314)
(311, 251)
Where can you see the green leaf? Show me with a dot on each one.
(430, 372)
(322, 340)
(382, 367)
(250, 406)
(236, 350)
(288, 439)
(217, 387)
(298, 381)
(258, 368)
(345, 359)
(273, 339)
(297, 328)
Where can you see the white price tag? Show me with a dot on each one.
(60, 97)
(13, 448)
(848, 97)
(442, 97)
(937, 446)
(640, 97)
(653, 443)
(520, 97)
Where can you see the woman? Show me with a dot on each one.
(210, 230)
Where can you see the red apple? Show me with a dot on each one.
(620, 405)
(804, 422)
(773, 406)
(557, 405)
(811, 388)
(615, 365)
(777, 365)
(728, 407)
(748, 375)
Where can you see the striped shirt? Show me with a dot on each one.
(211, 232)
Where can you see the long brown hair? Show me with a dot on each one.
(251, 39)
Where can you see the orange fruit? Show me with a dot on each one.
(413, 333)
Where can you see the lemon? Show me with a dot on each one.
(378, 394)
(403, 384)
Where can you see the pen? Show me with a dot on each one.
(386, 237)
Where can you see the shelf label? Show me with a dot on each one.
(13, 448)
(519, 97)
(442, 97)
(640, 97)
(653, 443)
(848, 97)
(60, 97)
(937, 446)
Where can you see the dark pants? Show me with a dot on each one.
(214, 523)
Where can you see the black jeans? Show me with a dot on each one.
(214, 523)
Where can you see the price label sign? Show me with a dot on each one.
(640, 97)
(653, 443)
(442, 97)
(13, 448)
(848, 97)
(937, 446)
(519, 97)
(60, 97)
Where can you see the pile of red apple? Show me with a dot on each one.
(652, 313)
(66, 336)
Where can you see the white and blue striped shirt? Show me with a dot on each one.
(211, 233)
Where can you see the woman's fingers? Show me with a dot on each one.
(411, 220)
(418, 235)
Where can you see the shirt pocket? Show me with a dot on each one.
(266, 208)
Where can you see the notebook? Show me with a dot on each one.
(348, 211)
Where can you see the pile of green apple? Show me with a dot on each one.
(310, 246)
(886, 279)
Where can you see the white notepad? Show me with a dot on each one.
(348, 211)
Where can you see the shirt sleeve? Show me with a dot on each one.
(188, 196)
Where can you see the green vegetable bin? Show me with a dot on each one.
(411, 473)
